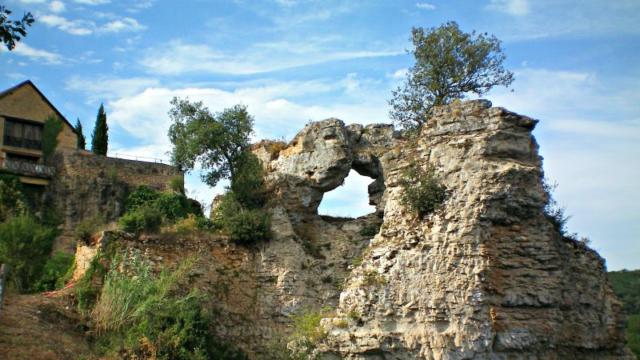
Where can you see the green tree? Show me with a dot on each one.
(12, 199)
(214, 141)
(12, 31)
(100, 140)
(82, 141)
(51, 130)
(449, 64)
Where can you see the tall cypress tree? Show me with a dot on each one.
(100, 140)
(82, 141)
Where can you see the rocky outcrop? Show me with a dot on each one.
(486, 276)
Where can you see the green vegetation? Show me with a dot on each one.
(12, 31)
(449, 64)
(243, 225)
(100, 140)
(87, 227)
(220, 144)
(140, 314)
(148, 209)
(626, 285)
(176, 184)
(52, 128)
(12, 199)
(25, 245)
(215, 141)
(57, 271)
(423, 192)
(142, 219)
(370, 230)
(82, 141)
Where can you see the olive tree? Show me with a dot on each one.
(449, 64)
(214, 141)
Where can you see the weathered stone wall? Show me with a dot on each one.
(88, 185)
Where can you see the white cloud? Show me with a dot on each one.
(56, 6)
(73, 27)
(86, 27)
(425, 6)
(124, 24)
(104, 88)
(25, 50)
(181, 58)
(511, 7)
(92, 2)
(349, 200)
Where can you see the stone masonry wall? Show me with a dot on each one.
(88, 185)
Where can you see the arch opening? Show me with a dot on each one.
(350, 200)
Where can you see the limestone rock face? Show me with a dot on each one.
(486, 276)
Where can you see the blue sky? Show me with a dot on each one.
(576, 65)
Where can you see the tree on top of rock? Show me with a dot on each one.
(449, 64)
(100, 140)
(215, 141)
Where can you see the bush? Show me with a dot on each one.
(143, 219)
(25, 245)
(244, 226)
(140, 313)
(142, 196)
(370, 230)
(173, 206)
(57, 271)
(423, 192)
(12, 199)
(86, 228)
(177, 184)
(633, 333)
(248, 181)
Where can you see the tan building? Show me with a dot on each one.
(23, 111)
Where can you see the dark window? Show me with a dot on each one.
(23, 134)
(22, 158)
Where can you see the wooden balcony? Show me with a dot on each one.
(26, 168)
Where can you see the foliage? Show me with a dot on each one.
(449, 64)
(57, 271)
(82, 140)
(12, 199)
(633, 333)
(215, 141)
(248, 181)
(87, 227)
(370, 230)
(141, 196)
(142, 219)
(52, 128)
(12, 31)
(177, 184)
(626, 286)
(243, 225)
(87, 288)
(422, 191)
(142, 314)
(100, 139)
(25, 245)
(172, 205)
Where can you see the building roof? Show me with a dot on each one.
(29, 82)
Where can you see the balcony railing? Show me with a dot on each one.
(22, 142)
(28, 168)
